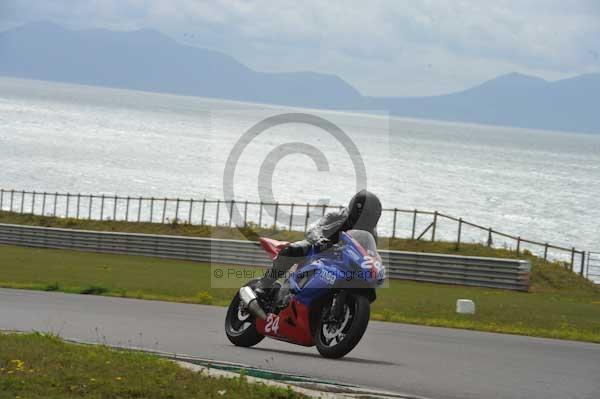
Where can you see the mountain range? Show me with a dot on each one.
(150, 61)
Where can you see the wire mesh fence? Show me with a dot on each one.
(593, 266)
(395, 222)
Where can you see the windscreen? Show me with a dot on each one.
(364, 238)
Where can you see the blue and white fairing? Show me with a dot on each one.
(353, 264)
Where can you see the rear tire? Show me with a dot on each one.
(240, 325)
(336, 340)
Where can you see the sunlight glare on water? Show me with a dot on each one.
(68, 138)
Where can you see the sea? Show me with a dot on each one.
(540, 185)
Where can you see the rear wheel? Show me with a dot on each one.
(240, 325)
(335, 337)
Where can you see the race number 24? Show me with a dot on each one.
(272, 323)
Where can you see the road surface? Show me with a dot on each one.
(424, 361)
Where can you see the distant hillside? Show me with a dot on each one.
(148, 60)
(512, 100)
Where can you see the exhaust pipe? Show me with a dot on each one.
(248, 296)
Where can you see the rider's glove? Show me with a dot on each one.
(322, 244)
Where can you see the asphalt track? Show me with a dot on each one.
(421, 361)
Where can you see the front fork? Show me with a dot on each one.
(337, 307)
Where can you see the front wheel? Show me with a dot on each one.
(334, 338)
(240, 325)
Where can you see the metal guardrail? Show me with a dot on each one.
(395, 223)
(510, 274)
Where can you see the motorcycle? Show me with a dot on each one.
(325, 301)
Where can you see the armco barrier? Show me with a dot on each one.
(450, 269)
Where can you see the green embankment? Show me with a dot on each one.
(253, 232)
(38, 366)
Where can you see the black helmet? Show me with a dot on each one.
(364, 211)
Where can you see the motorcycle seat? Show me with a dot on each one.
(271, 246)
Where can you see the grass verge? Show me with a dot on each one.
(41, 366)
(560, 304)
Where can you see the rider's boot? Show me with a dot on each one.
(264, 286)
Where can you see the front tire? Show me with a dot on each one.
(240, 325)
(336, 339)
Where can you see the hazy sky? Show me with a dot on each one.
(382, 47)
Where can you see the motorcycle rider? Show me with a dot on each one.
(363, 213)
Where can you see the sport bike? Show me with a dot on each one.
(325, 301)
